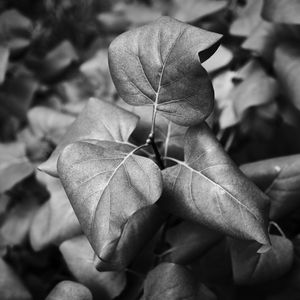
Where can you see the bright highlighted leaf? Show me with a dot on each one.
(66, 290)
(282, 11)
(280, 179)
(250, 267)
(158, 65)
(94, 122)
(169, 281)
(108, 190)
(209, 189)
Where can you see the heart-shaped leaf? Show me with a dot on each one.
(67, 290)
(189, 241)
(11, 287)
(282, 11)
(80, 259)
(109, 191)
(170, 281)
(250, 267)
(287, 68)
(158, 65)
(94, 122)
(280, 179)
(209, 189)
(55, 221)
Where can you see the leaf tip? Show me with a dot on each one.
(264, 248)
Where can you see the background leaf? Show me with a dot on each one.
(166, 73)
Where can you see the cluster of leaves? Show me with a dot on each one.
(163, 195)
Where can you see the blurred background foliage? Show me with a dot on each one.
(53, 57)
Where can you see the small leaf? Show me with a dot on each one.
(209, 189)
(11, 287)
(55, 221)
(250, 267)
(94, 122)
(108, 189)
(4, 57)
(248, 18)
(193, 10)
(169, 281)
(80, 259)
(280, 179)
(160, 68)
(282, 11)
(14, 165)
(67, 290)
(189, 241)
(287, 68)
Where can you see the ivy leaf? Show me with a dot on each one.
(170, 281)
(209, 189)
(189, 241)
(282, 11)
(250, 267)
(108, 193)
(94, 122)
(55, 221)
(280, 179)
(14, 165)
(11, 287)
(80, 259)
(160, 67)
(287, 68)
(66, 290)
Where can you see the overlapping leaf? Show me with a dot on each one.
(170, 281)
(94, 122)
(111, 193)
(209, 189)
(66, 290)
(160, 67)
(250, 267)
(280, 179)
(80, 259)
(282, 11)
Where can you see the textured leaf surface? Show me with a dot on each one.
(250, 267)
(67, 290)
(209, 189)
(280, 179)
(282, 11)
(106, 188)
(55, 221)
(287, 68)
(94, 122)
(170, 281)
(160, 67)
(80, 259)
(189, 241)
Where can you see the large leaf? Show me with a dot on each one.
(14, 165)
(209, 189)
(55, 221)
(280, 179)
(287, 67)
(67, 290)
(189, 241)
(250, 267)
(282, 11)
(94, 122)
(170, 281)
(160, 67)
(110, 192)
(80, 259)
(11, 287)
